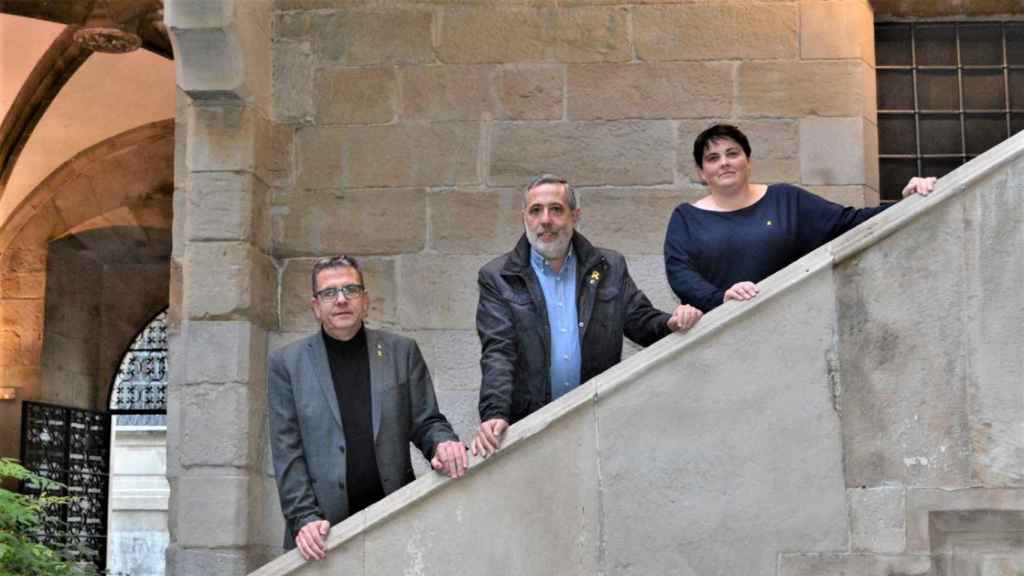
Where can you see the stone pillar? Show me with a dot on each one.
(223, 288)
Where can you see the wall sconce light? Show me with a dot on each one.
(8, 393)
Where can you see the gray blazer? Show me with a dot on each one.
(307, 438)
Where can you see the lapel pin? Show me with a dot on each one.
(380, 351)
(595, 277)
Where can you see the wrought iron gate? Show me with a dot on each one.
(71, 446)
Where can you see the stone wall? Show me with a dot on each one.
(862, 416)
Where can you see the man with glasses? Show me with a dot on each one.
(344, 404)
(553, 311)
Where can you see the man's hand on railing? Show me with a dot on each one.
(488, 437)
(450, 457)
(311, 540)
(918, 185)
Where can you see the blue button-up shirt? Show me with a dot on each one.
(560, 300)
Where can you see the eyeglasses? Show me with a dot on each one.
(350, 291)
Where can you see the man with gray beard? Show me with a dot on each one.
(553, 311)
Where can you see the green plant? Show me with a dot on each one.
(21, 517)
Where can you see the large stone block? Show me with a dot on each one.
(531, 91)
(648, 273)
(460, 408)
(318, 157)
(593, 34)
(438, 292)
(221, 137)
(688, 89)
(350, 221)
(729, 30)
(734, 416)
(856, 196)
(366, 38)
(843, 29)
(355, 96)
(228, 206)
(994, 270)
(188, 561)
(229, 281)
(443, 154)
(632, 221)
(446, 93)
(850, 564)
(587, 153)
(453, 357)
(292, 76)
(478, 34)
(562, 535)
(297, 293)
(774, 144)
(469, 222)
(223, 352)
(878, 519)
(884, 374)
(211, 511)
(215, 422)
(836, 151)
(795, 89)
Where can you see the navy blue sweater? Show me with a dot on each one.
(706, 252)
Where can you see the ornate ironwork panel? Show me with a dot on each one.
(70, 446)
(140, 386)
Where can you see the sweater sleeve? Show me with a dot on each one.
(687, 283)
(822, 221)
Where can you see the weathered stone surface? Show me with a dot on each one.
(318, 157)
(727, 30)
(843, 29)
(648, 272)
(228, 206)
(184, 561)
(849, 564)
(350, 221)
(610, 91)
(774, 144)
(835, 151)
(921, 502)
(297, 293)
(442, 154)
(995, 270)
(469, 222)
(453, 357)
(292, 73)
(366, 38)
(211, 510)
(815, 88)
(628, 220)
(530, 91)
(884, 373)
(460, 407)
(878, 519)
(477, 34)
(438, 292)
(228, 280)
(221, 137)
(593, 34)
(221, 352)
(215, 424)
(559, 468)
(587, 153)
(446, 93)
(856, 196)
(355, 96)
(675, 524)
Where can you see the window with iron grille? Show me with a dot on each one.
(140, 385)
(947, 91)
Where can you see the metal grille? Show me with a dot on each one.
(140, 386)
(947, 91)
(70, 446)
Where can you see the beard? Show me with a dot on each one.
(553, 250)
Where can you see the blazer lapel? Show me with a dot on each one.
(381, 375)
(322, 370)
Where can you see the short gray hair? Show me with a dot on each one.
(339, 261)
(551, 179)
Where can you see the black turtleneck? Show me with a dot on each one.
(350, 371)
